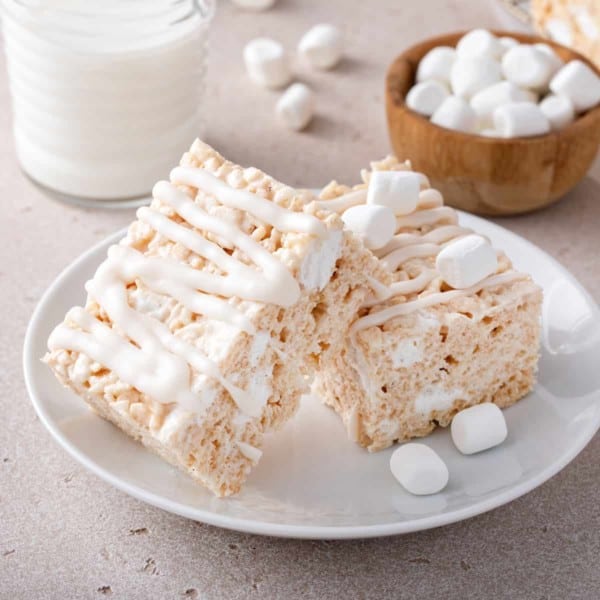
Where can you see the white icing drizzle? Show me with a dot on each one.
(343, 203)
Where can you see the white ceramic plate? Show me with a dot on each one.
(312, 482)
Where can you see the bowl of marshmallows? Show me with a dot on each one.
(502, 123)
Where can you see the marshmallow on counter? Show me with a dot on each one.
(397, 190)
(296, 106)
(507, 43)
(469, 75)
(486, 101)
(322, 46)
(419, 469)
(267, 63)
(254, 4)
(426, 97)
(479, 42)
(455, 113)
(559, 110)
(376, 225)
(520, 119)
(529, 67)
(466, 261)
(437, 64)
(555, 59)
(578, 82)
(478, 428)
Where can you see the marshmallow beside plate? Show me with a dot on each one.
(267, 63)
(322, 46)
(296, 106)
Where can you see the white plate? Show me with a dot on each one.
(312, 482)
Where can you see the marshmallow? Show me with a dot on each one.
(559, 110)
(507, 43)
(376, 225)
(555, 59)
(322, 46)
(472, 74)
(578, 82)
(528, 67)
(296, 106)
(520, 119)
(478, 428)
(479, 42)
(426, 97)
(486, 101)
(254, 4)
(419, 469)
(466, 261)
(398, 190)
(437, 64)
(455, 113)
(266, 63)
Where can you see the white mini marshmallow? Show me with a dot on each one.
(437, 64)
(376, 225)
(555, 59)
(267, 63)
(455, 113)
(255, 5)
(398, 190)
(322, 46)
(578, 82)
(559, 110)
(295, 108)
(478, 428)
(469, 75)
(520, 119)
(426, 97)
(466, 261)
(419, 469)
(528, 67)
(507, 43)
(486, 101)
(479, 42)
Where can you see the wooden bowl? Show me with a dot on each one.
(490, 176)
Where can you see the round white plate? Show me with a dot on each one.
(312, 482)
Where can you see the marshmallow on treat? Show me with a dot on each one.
(477, 43)
(578, 82)
(398, 190)
(466, 261)
(255, 4)
(528, 67)
(520, 119)
(478, 428)
(455, 113)
(437, 64)
(486, 101)
(322, 46)
(419, 469)
(469, 75)
(267, 63)
(295, 108)
(376, 225)
(559, 110)
(426, 97)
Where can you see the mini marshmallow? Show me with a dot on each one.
(578, 82)
(559, 110)
(255, 5)
(555, 59)
(426, 97)
(479, 42)
(478, 428)
(507, 43)
(455, 113)
(267, 63)
(520, 119)
(398, 190)
(466, 261)
(322, 46)
(472, 74)
(528, 67)
(296, 106)
(486, 101)
(376, 225)
(419, 469)
(437, 64)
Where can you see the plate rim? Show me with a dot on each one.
(296, 531)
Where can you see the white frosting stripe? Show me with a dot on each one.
(343, 203)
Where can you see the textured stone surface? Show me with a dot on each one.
(64, 533)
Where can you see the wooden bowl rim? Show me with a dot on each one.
(451, 39)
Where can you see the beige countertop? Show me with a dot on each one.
(64, 533)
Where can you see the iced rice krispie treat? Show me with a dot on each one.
(201, 325)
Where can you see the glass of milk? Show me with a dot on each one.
(107, 94)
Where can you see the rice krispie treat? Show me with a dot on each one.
(424, 348)
(201, 324)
